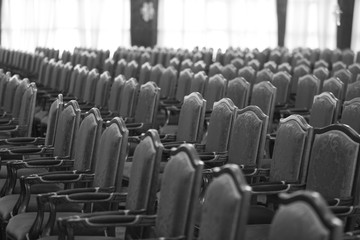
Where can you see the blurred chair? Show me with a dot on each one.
(215, 90)
(351, 114)
(335, 86)
(325, 110)
(238, 90)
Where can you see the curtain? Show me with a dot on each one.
(355, 36)
(217, 23)
(311, 23)
(64, 24)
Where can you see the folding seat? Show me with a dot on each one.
(355, 71)
(305, 215)
(335, 86)
(214, 90)
(322, 74)
(264, 95)
(351, 113)
(345, 76)
(156, 72)
(175, 214)
(104, 179)
(324, 110)
(199, 82)
(144, 75)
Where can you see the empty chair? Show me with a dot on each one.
(322, 74)
(338, 65)
(281, 80)
(305, 215)
(199, 82)
(345, 76)
(351, 113)
(229, 71)
(144, 75)
(299, 71)
(324, 110)
(355, 71)
(264, 75)
(156, 73)
(214, 69)
(214, 90)
(167, 83)
(352, 91)
(238, 90)
(308, 87)
(335, 86)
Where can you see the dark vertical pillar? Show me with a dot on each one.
(1, 4)
(281, 9)
(144, 15)
(345, 28)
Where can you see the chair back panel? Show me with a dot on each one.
(322, 74)
(13, 83)
(110, 155)
(179, 190)
(65, 74)
(227, 200)
(355, 71)
(191, 118)
(229, 72)
(115, 92)
(127, 100)
(80, 83)
(131, 70)
(168, 82)
(264, 75)
(87, 138)
(324, 110)
(333, 162)
(215, 90)
(55, 77)
(20, 90)
(144, 75)
(290, 163)
(351, 114)
(305, 215)
(73, 79)
(120, 67)
(220, 125)
(248, 135)
(352, 91)
(184, 83)
(335, 86)
(102, 90)
(238, 90)
(27, 110)
(66, 129)
(248, 73)
(299, 71)
(143, 183)
(345, 76)
(281, 80)
(53, 116)
(308, 87)
(90, 86)
(147, 104)
(3, 84)
(156, 72)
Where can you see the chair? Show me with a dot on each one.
(305, 215)
(131, 70)
(299, 71)
(105, 178)
(229, 72)
(281, 80)
(348, 57)
(321, 63)
(198, 66)
(345, 76)
(114, 97)
(10, 93)
(175, 215)
(199, 82)
(263, 96)
(335, 86)
(238, 90)
(184, 83)
(271, 65)
(285, 67)
(120, 67)
(128, 95)
(355, 71)
(102, 90)
(156, 72)
(322, 74)
(352, 91)
(308, 87)
(350, 114)
(324, 111)
(167, 83)
(264, 75)
(337, 66)
(214, 69)
(214, 90)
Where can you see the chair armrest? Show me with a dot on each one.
(167, 138)
(23, 141)
(27, 150)
(42, 163)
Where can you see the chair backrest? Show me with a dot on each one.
(184, 83)
(199, 66)
(91, 82)
(13, 83)
(325, 110)
(290, 163)
(156, 72)
(20, 90)
(264, 75)
(263, 96)
(308, 87)
(351, 114)
(199, 82)
(345, 76)
(109, 66)
(229, 71)
(147, 103)
(73, 79)
(335, 86)
(227, 200)
(64, 78)
(143, 183)
(334, 163)
(299, 71)
(53, 116)
(27, 110)
(144, 75)
(271, 65)
(115, 93)
(247, 136)
(55, 77)
(66, 129)
(238, 90)
(120, 67)
(215, 90)
(321, 63)
(127, 100)
(255, 64)
(3, 84)
(322, 74)
(186, 64)
(191, 118)
(352, 91)
(111, 154)
(131, 69)
(80, 82)
(248, 73)
(167, 83)
(215, 68)
(87, 138)
(220, 124)
(305, 215)
(355, 71)
(285, 67)
(281, 80)
(337, 66)
(103, 90)
(179, 192)
(348, 57)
